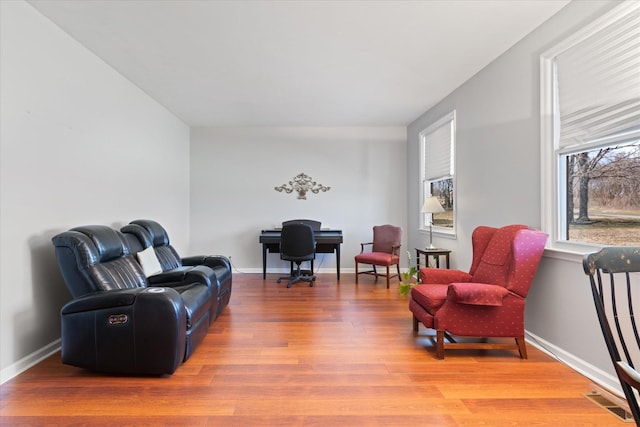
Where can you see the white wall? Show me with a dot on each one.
(498, 183)
(234, 172)
(79, 144)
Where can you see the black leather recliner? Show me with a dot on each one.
(171, 261)
(118, 322)
(137, 238)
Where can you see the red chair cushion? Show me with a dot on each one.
(377, 258)
(477, 294)
(430, 297)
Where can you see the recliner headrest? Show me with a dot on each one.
(141, 234)
(107, 241)
(80, 244)
(158, 234)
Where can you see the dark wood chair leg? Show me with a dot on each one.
(522, 347)
(356, 273)
(387, 277)
(440, 344)
(415, 323)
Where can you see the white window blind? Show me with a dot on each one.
(438, 145)
(598, 85)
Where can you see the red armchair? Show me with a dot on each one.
(489, 300)
(384, 251)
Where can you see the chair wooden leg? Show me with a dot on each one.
(522, 347)
(416, 323)
(387, 277)
(356, 273)
(440, 344)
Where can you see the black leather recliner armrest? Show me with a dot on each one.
(211, 261)
(185, 276)
(135, 331)
(174, 277)
(101, 300)
(222, 268)
(218, 263)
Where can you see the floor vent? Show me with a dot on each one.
(611, 403)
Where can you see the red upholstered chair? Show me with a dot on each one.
(384, 252)
(489, 300)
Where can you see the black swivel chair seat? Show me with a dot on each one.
(297, 244)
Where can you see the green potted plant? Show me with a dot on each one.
(409, 278)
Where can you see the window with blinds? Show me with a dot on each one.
(595, 92)
(598, 85)
(437, 154)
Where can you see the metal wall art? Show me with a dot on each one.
(302, 183)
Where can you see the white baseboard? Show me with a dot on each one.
(597, 375)
(329, 270)
(28, 361)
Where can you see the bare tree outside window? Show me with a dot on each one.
(603, 195)
(443, 190)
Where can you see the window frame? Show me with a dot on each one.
(553, 190)
(448, 119)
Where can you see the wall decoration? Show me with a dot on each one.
(302, 183)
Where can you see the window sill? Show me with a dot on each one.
(570, 252)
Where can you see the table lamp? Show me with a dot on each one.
(431, 205)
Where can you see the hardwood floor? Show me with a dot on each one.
(335, 354)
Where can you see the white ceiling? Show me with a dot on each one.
(298, 63)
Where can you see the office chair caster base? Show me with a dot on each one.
(297, 279)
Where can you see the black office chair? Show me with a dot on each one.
(297, 244)
(315, 225)
(611, 272)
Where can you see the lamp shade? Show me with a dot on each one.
(432, 205)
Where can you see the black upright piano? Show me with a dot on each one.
(327, 241)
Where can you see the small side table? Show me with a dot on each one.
(435, 253)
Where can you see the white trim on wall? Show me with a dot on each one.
(597, 375)
(29, 360)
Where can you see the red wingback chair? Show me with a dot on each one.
(489, 300)
(384, 251)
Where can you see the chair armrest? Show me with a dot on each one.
(113, 299)
(477, 294)
(395, 249)
(129, 331)
(362, 245)
(188, 275)
(184, 275)
(170, 278)
(629, 374)
(211, 261)
(101, 300)
(442, 276)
